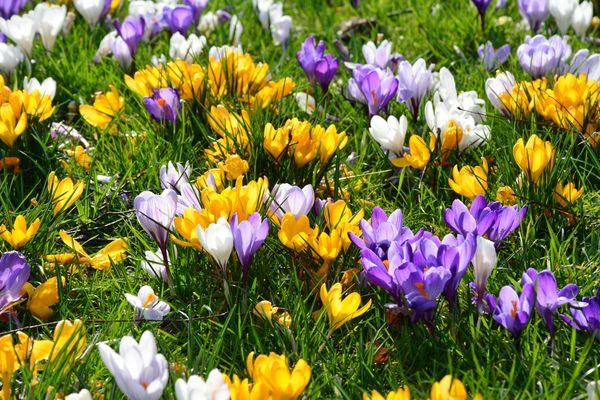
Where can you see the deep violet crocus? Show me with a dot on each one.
(248, 236)
(511, 310)
(318, 66)
(325, 70)
(163, 105)
(587, 317)
(482, 6)
(493, 58)
(14, 272)
(8, 8)
(549, 298)
(179, 18)
(372, 86)
(131, 31)
(197, 6)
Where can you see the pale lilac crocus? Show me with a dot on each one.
(164, 105)
(534, 11)
(131, 31)
(372, 86)
(414, 81)
(173, 176)
(14, 272)
(538, 56)
(381, 56)
(293, 199)
(511, 310)
(493, 58)
(179, 18)
(586, 318)
(121, 52)
(549, 298)
(248, 236)
(197, 6)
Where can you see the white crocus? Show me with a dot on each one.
(484, 261)
(582, 17)
(50, 20)
(216, 53)
(21, 30)
(496, 87)
(562, 11)
(147, 304)
(389, 134)
(46, 87)
(593, 390)
(262, 10)
(280, 29)
(175, 176)
(235, 29)
(154, 264)
(377, 55)
(140, 372)
(90, 10)
(186, 49)
(84, 394)
(10, 57)
(217, 240)
(208, 23)
(105, 47)
(196, 388)
(305, 102)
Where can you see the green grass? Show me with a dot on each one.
(204, 330)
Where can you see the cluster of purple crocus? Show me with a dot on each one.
(319, 67)
(164, 105)
(14, 272)
(8, 8)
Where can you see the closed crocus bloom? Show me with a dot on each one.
(266, 310)
(21, 234)
(43, 297)
(92, 10)
(8, 8)
(64, 192)
(582, 17)
(563, 194)
(121, 52)
(217, 240)
(106, 106)
(539, 56)
(131, 31)
(10, 57)
(484, 262)
(534, 11)
(325, 70)
(175, 176)
(389, 134)
(46, 88)
(448, 388)
(164, 105)
(534, 157)
(493, 58)
(21, 30)
(248, 236)
(196, 388)
(330, 141)
(179, 18)
(49, 20)
(562, 11)
(14, 273)
(414, 83)
(186, 49)
(417, 156)
(147, 304)
(310, 53)
(340, 311)
(506, 195)
(402, 393)
(280, 30)
(139, 371)
(13, 120)
(155, 213)
(295, 233)
(84, 394)
(273, 371)
(469, 181)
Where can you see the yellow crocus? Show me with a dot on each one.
(563, 194)
(273, 371)
(229, 124)
(327, 247)
(339, 311)
(110, 254)
(339, 216)
(470, 181)
(276, 141)
(36, 105)
(106, 106)
(506, 195)
(534, 157)
(13, 120)
(233, 167)
(64, 192)
(186, 226)
(82, 158)
(11, 358)
(331, 141)
(42, 298)
(448, 389)
(21, 234)
(267, 311)
(418, 154)
(114, 4)
(294, 233)
(402, 393)
(245, 390)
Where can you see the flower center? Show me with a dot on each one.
(513, 312)
(421, 288)
(149, 300)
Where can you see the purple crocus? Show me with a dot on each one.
(549, 298)
(293, 199)
(587, 317)
(482, 6)
(372, 86)
(131, 31)
(422, 288)
(197, 6)
(179, 18)
(14, 272)
(122, 52)
(414, 81)
(538, 56)
(493, 58)
(8, 8)
(534, 11)
(511, 310)
(325, 70)
(163, 105)
(248, 236)
(456, 253)
(318, 66)
(155, 213)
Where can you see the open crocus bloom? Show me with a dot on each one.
(147, 304)
(196, 388)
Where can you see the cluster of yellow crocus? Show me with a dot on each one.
(64, 192)
(67, 344)
(104, 109)
(325, 246)
(21, 234)
(340, 311)
(303, 141)
(470, 181)
(269, 312)
(270, 379)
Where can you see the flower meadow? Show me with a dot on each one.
(251, 200)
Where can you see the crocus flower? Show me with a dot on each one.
(381, 56)
(139, 371)
(512, 310)
(493, 58)
(217, 240)
(586, 318)
(131, 30)
(175, 176)
(21, 234)
(293, 199)
(64, 192)
(534, 11)
(484, 262)
(582, 17)
(549, 298)
(235, 30)
(46, 88)
(248, 236)
(538, 56)
(312, 55)
(83, 394)
(154, 264)
(564, 194)
(164, 104)
(50, 20)
(469, 181)
(155, 213)
(562, 11)
(122, 53)
(497, 88)
(281, 26)
(372, 86)
(389, 134)
(535, 157)
(197, 7)
(482, 6)
(325, 70)
(8, 8)
(21, 30)
(14, 272)
(274, 374)
(414, 83)
(10, 57)
(448, 388)
(196, 388)
(92, 10)
(416, 156)
(179, 18)
(147, 304)
(340, 311)
(422, 289)
(186, 49)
